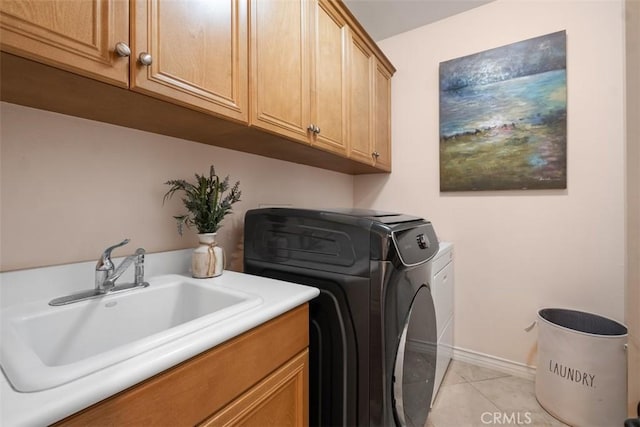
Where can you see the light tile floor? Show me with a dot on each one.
(470, 396)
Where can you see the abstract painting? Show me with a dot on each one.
(503, 117)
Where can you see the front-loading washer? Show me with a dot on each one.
(372, 350)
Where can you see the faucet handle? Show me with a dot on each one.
(104, 263)
(139, 266)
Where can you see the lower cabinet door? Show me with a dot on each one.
(245, 381)
(278, 400)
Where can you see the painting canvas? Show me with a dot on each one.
(503, 117)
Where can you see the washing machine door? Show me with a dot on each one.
(415, 364)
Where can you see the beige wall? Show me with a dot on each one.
(70, 187)
(633, 200)
(518, 251)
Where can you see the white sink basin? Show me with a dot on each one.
(45, 346)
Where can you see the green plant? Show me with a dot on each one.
(205, 201)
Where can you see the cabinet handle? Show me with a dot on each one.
(313, 128)
(122, 49)
(375, 154)
(145, 58)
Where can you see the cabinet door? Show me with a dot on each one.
(361, 63)
(278, 400)
(328, 100)
(209, 383)
(382, 125)
(76, 35)
(280, 74)
(198, 54)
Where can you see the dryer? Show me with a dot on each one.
(372, 328)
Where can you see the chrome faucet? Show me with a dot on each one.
(104, 267)
(107, 274)
(138, 260)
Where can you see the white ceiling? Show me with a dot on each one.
(386, 18)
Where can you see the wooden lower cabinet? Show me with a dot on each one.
(259, 378)
(279, 400)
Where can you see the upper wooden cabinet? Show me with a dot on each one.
(280, 64)
(369, 107)
(188, 52)
(298, 71)
(192, 52)
(382, 118)
(75, 35)
(361, 97)
(292, 70)
(329, 78)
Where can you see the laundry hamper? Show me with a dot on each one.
(581, 378)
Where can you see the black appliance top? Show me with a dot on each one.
(389, 218)
(345, 239)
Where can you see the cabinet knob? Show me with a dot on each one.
(375, 154)
(122, 49)
(313, 128)
(145, 58)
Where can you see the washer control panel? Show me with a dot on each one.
(423, 241)
(416, 245)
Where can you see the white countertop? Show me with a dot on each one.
(48, 406)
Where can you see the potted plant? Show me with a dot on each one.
(207, 205)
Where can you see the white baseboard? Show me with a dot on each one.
(496, 363)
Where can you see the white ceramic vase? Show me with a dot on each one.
(208, 259)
